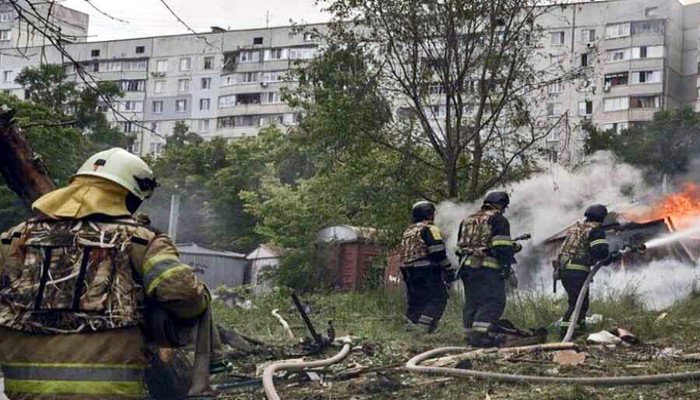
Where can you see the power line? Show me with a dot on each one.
(202, 37)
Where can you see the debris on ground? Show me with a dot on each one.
(594, 319)
(232, 299)
(603, 337)
(569, 358)
(668, 352)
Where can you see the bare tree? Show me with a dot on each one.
(465, 75)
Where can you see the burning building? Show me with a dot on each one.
(640, 224)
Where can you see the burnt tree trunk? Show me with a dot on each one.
(21, 169)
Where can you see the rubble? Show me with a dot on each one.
(569, 358)
(603, 337)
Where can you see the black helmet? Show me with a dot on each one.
(499, 199)
(596, 213)
(423, 211)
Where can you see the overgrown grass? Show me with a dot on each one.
(376, 320)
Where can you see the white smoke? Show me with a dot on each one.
(549, 202)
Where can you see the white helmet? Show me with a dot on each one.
(123, 168)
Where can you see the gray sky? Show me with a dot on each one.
(150, 17)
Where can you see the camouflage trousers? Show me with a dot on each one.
(91, 366)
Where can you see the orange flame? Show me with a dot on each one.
(682, 207)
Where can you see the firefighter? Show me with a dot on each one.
(486, 253)
(425, 269)
(585, 245)
(75, 281)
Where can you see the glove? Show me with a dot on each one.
(614, 257)
(449, 275)
(517, 247)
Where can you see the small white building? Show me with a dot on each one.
(262, 260)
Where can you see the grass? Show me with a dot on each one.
(376, 321)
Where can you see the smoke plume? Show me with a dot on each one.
(549, 202)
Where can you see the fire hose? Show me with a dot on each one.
(268, 374)
(413, 365)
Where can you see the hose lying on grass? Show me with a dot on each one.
(413, 364)
(268, 374)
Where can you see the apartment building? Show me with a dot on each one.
(16, 32)
(640, 56)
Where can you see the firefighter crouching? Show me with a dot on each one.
(585, 245)
(425, 268)
(486, 253)
(74, 282)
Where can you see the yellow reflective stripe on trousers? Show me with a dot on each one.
(488, 262)
(578, 267)
(599, 241)
(127, 389)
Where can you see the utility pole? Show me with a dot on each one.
(174, 216)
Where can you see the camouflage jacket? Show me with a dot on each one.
(72, 276)
(581, 241)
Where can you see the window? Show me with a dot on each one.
(7, 76)
(204, 104)
(227, 101)
(302, 53)
(95, 53)
(588, 35)
(206, 83)
(617, 30)
(181, 105)
(271, 98)
(616, 104)
(228, 80)
(645, 102)
(276, 76)
(5, 35)
(162, 65)
(249, 77)
(585, 108)
(133, 106)
(157, 107)
(107, 67)
(155, 127)
(618, 55)
(616, 127)
(310, 37)
(247, 98)
(555, 87)
(647, 27)
(185, 64)
(556, 59)
(648, 52)
(267, 120)
(135, 65)
(130, 126)
(203, 125)
(156, 148)
(159, 87)
(249, 56)
(621, 78)
(183, 85)
(584, 59)
(554, 109)
(258, 40)
(208, 63)
(225, 122)
(134, 85)
(275, 54)
(558, 38)
(246, 120)
(646, 77)
(6, 16)
(140, 49)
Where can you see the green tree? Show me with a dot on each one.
(667, 145)
(182, 136)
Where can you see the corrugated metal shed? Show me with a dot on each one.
(214, 267)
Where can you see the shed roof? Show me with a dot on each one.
(346, 233)
(200, 250)
(265, 251)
